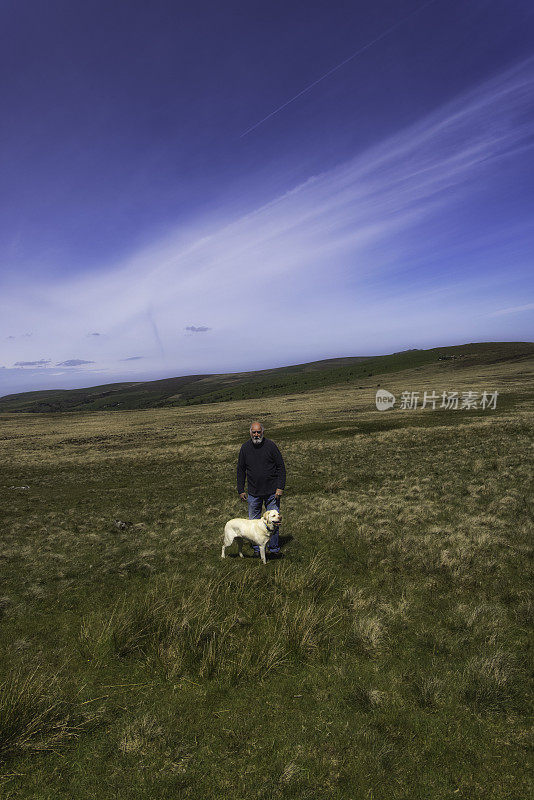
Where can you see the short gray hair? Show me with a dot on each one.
(256, 422)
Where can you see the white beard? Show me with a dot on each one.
(257, 441)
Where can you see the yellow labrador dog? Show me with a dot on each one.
(257, 531)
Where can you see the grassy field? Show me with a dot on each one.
(385, 657)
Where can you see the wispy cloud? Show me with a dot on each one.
(73, 362)
(373, 255)
(132, 358)
(42, 361)
(513, 310)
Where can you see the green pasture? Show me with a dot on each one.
(386, 656)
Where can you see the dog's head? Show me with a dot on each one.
(272, 518)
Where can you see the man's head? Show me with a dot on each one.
(256, 432)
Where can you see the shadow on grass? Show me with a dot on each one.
(283, 540)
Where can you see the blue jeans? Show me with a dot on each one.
(272, 503)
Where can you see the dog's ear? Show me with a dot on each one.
(265, 516)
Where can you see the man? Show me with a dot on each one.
(261, 462)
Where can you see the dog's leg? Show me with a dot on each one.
(227, 541)
(262, 553)
(240, 547)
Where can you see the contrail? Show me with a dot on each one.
(155, 331)
(338, 66)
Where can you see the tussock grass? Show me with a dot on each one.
(362, 698)
(314, 577)
(494, 683)
(368, 633)
(140, 736)
(36, 714)
(130, 628)
(220, 628)
(307, 627)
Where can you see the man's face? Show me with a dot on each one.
(256, 434)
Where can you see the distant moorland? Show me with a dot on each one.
(199, 389)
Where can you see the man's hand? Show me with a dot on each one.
(279, 493)
(243, 496)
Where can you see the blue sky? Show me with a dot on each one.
(151, 227)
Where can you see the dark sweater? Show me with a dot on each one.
(263, 466)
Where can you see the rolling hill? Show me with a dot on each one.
(199, 389)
